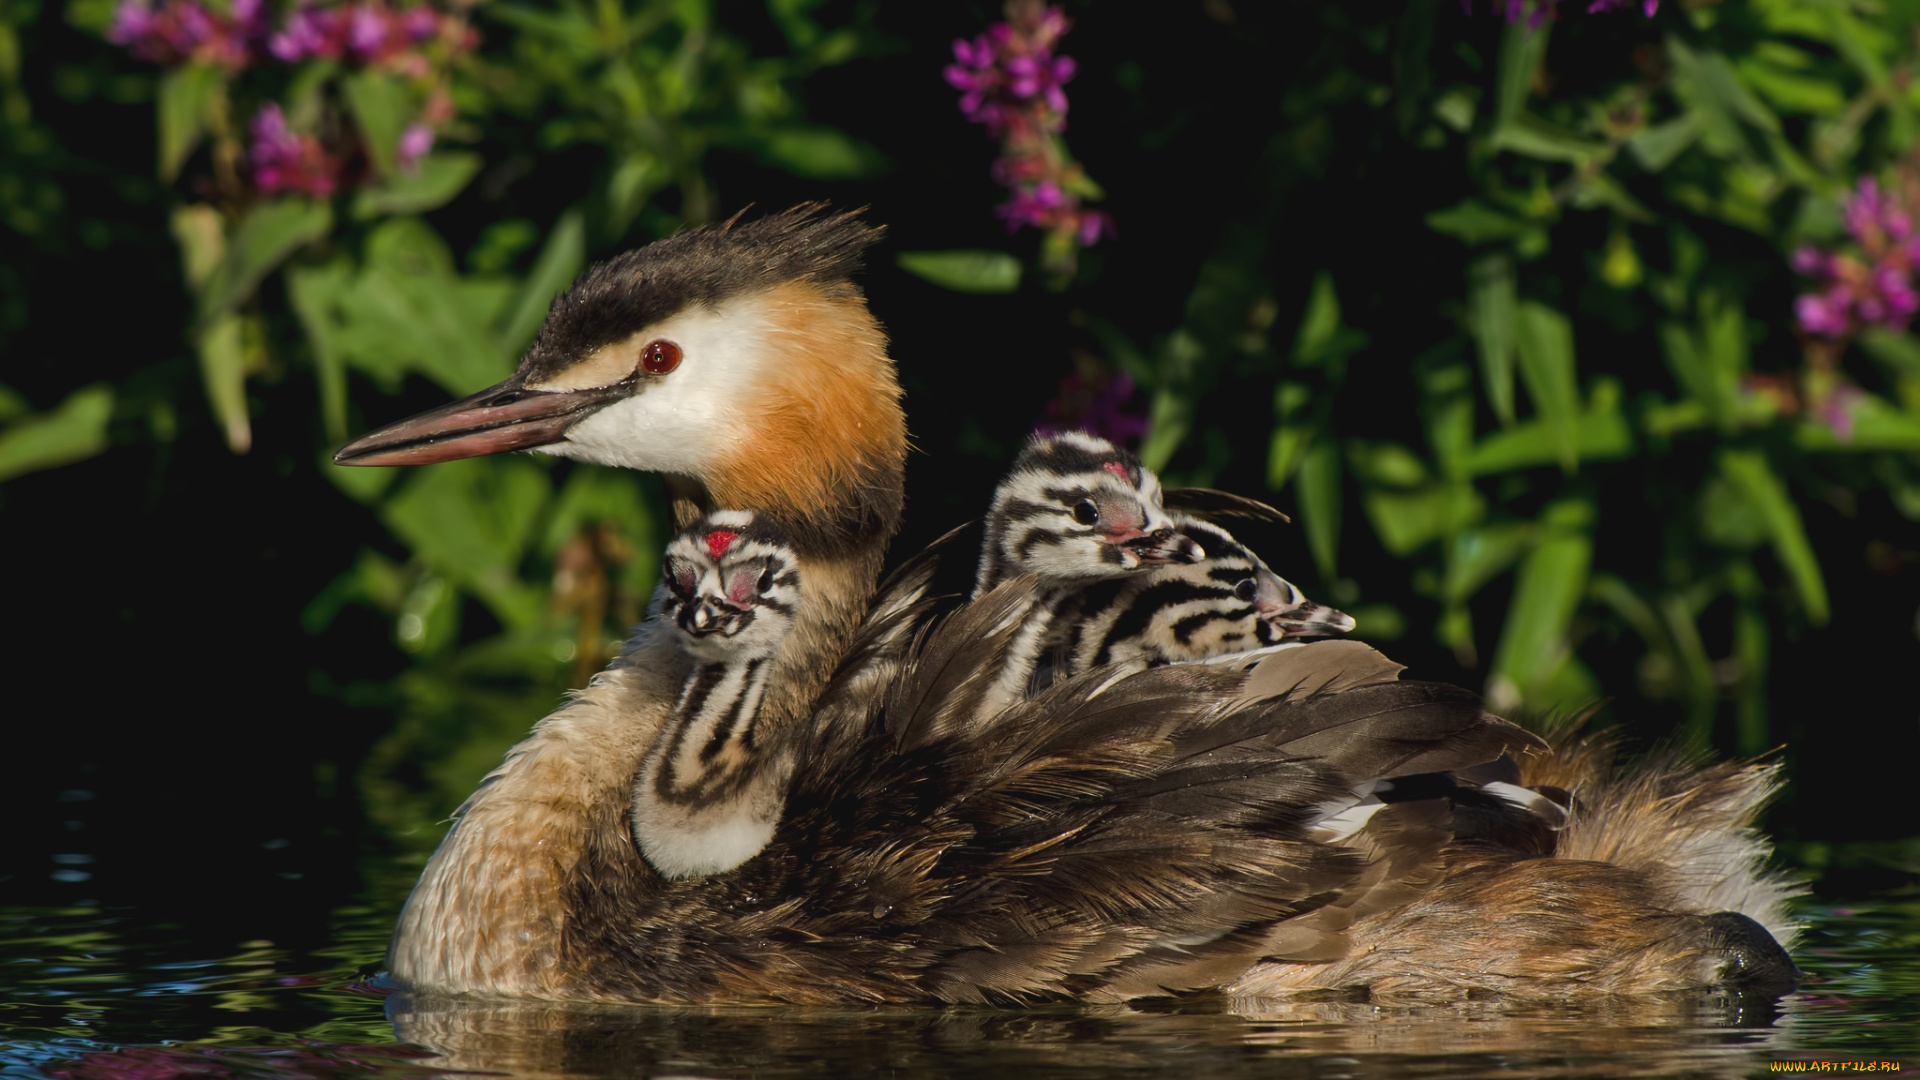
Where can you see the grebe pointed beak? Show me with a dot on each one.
(506, 416)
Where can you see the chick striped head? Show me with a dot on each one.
(1077, 508)
(1272, 608)
(730, 587)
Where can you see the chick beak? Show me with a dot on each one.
(706, 616)
(1295, 616)
(507, 416)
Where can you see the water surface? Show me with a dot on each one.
(101, 993)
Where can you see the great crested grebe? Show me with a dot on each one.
(705, 801)
(1124, 833)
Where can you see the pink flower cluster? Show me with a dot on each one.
(188, 31)
(1515, 10)
(411, 41)
(366, 33)
(1011, 82)
(287, 160)
(1874, 288)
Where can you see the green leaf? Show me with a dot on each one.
(1533, 641)
(407, 311)
(1318, 488)
(559, 263)
(264, 239)
(972, 271)
(379, 105)
(1490, 316)
(473, 520)
(1708, 363)
(433, 184)
(222, 348)
(1408, 520)
(823, 153)
(1791, 92)
(1478, 555)
(202, 240)
(74, 430)
(1655, 147)
(1896, 349)
(1876, 425)
(1530, 136)
(1291, 434)
(1754, 477)
(1321, 336)
(1474, 222)
(1386, 464)
(1545, 341)
(1602, 434)
(315, 293)
(1521, 50)
(187, 100)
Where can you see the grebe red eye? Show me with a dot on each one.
(659, 357)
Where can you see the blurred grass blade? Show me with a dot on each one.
(559, 263)
(822, 153)
(202, 240)
(1292, 434)
(186, 101)
(1545, 342)
(264, 239)
(1542, 140)
(970, 271)
(223, 371)
(379, 105)
(1318, 487)
(74, 430)
(1533, 642)
(1491, 308)
(1655, 147)
(1750, 472)
(1521, 50)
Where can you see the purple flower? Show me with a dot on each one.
(1819, 314)
(132, 22)
(367, 31)
(309, 32)
(1874, 285)
(284, 160)
(1012, 83)
(414, 144)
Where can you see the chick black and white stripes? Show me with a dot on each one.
(729, 594)
(1226, 603)
(1076, 508)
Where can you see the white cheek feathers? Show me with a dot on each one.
(682, 421)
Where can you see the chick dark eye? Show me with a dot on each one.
(766, 581)
(1245, 589)
(1085, 512)
(659, 357)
